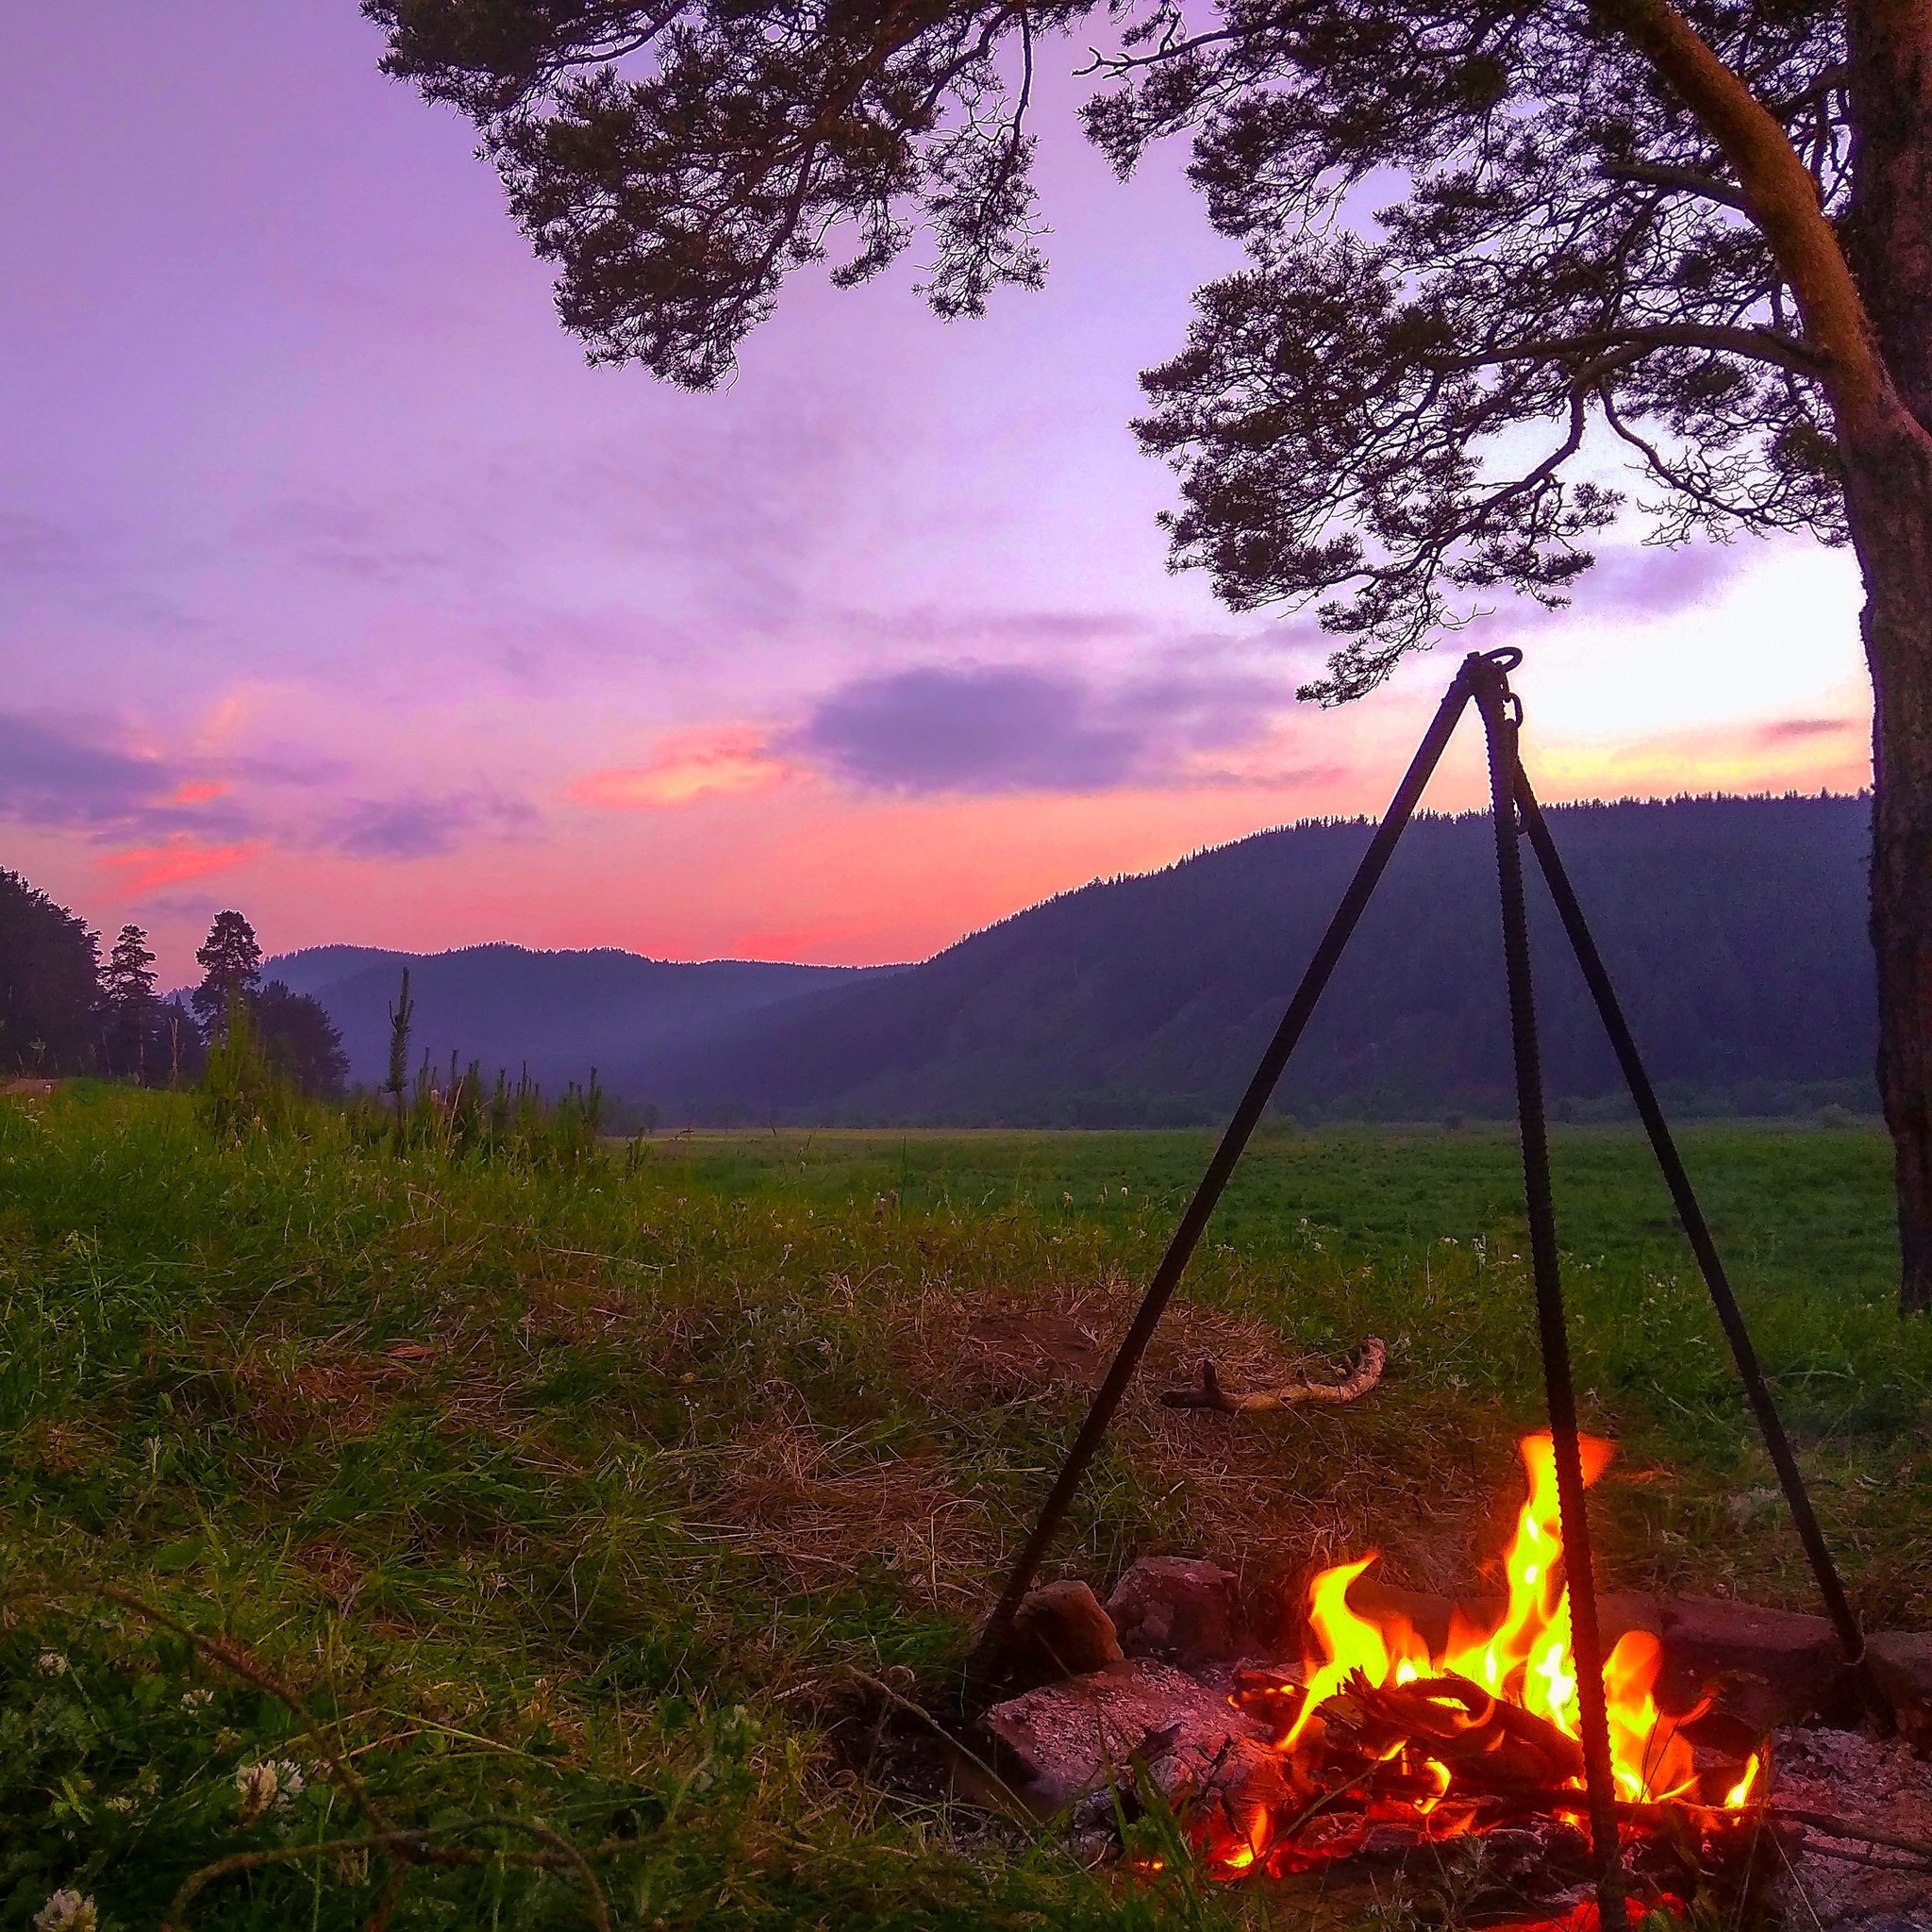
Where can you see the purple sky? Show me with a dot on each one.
(334, 585)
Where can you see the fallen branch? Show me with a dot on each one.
(1848, 1828)
(1210, 1394)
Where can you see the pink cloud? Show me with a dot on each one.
(687, 766)
(148, 868)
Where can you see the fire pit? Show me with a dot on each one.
(1383, 1743)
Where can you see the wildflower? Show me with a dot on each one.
(197, 1698)
(260, 1787)
(50, 1664)
(120, 1802)
(66, 1911)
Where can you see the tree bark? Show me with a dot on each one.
(1888, 495)
(1888, 461)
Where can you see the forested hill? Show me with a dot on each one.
(557, 1014)
(1735, 929)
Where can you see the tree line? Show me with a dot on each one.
(64, 1010)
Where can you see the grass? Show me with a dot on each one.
(601, 1502)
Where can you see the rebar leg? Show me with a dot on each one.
(1730, 1318)
(982, 1665)
(1500, 715)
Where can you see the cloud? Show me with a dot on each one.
(57, 778)
(343, 538)
(1784, 730)
(1648, 581)
(424, 825)
(145, 869)
(986, 728)
(47, 778)
(687, 766)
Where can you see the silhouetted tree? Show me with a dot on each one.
(49, 983)
(1491, 242)
(400, 1017)
(301, 1040)
(127, 988)
(230, 961)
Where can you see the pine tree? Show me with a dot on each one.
(127, 986)
(230, 959)
(49, 983)
(400, 1015)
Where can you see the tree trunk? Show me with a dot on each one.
(1887, 461)
(1890, 498)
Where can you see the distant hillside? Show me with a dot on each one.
(559, 1014)
(1734, 927)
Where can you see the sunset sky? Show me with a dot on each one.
(334, 587)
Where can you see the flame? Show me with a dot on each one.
(1526, 1658)
(1740, 1794)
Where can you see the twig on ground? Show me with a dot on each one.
(1210, 1394)
(1848, 1828)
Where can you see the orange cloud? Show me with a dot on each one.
(147, 867)
(687, 765)
(197, 792)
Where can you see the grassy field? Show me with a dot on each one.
(586, 1513)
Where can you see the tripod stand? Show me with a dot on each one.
(1484, 681)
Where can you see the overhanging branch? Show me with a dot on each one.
(1757, 345)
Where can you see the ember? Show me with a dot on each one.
(1383, 1739)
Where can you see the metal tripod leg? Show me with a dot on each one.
(1844, 1619)
(982, 1665)
(1500, 715)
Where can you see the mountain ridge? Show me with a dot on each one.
(1734, 927)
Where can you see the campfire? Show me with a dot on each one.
(1382, 1740)
(1397, 1739)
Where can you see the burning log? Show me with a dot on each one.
(1485, 1743)
(1210, 1394)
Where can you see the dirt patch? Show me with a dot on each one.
(1023, 1349)
(825, 1512)
(29, 1089)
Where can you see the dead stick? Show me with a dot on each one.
(1210, 1394)
(1845, 1828)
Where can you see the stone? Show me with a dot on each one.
(1061, 1627)
(1178, 1608)
(1901, 1664)
(1770, 1667)
(1057, 1742)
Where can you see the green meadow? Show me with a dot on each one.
(578, 1542)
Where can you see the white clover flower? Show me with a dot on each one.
(260, 1787)
(50, 1664)
(66, 1911)
(256, 1786)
